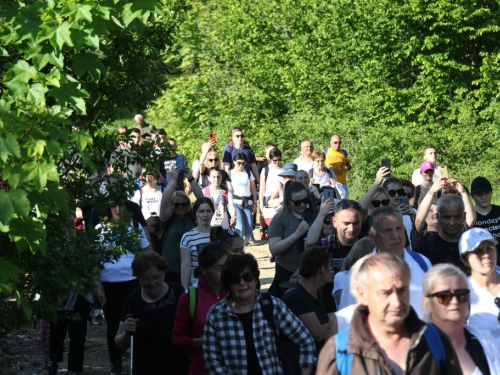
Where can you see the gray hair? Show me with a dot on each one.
(450, 200)
(307, 140)
(440, 272)
(391, 262)
(139, 116)
(383, 211)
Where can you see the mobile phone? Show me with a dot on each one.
(211, 137)
(443, 171)
(404, 200)
(386, 163)
(328, 194)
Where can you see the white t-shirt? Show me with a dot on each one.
(344, 317)
(416, 292)
(121, 269)
(483, 311)
(241, 184)
(272, 179)
(338, 284)
(303, 164)
(151, 202)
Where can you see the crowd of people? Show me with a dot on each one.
(403, 280)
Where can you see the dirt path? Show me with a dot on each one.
(23, 349)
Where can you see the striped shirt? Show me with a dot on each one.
(194, 240)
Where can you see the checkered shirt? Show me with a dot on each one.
(224, 350)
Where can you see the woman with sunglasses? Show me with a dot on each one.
(240, 332)
(245, 197)
(177, 218)
(193, 240)
(478, 252)
(148, 314)
(210, 159)
(446, 300)
(225, 212)
(193, 308)
(287, 233)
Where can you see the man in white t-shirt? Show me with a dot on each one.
(387, 234)
(304, 162)
(430, 154)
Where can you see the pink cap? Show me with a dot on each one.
(425, 166)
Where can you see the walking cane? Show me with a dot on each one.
(131, 348)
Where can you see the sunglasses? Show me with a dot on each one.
(212, 160)
(213, 248)
(276, 160)
(399, 192)
(328, 221)
(497, 302)
(346, 204)
(383, 202)
(444, 297)
(336, 143)
(239, 135)
(247, 277)
(240, 163)
(180, 204)
(298, 203)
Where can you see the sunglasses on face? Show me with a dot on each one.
(247, 277)
(180, 204)
(399, 192)
(383, 202)
(212, 160)
(445, 296)
(300, 201)
(239, 135)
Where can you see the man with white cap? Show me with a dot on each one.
(488, 215)
(478, 252)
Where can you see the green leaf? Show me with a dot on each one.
(40, 60)
(17, 88)
(28, 232)
(69, 93)
(36, 92)
(78, 37)
(12, 174)
(39, 173)
(6, 207)
(21, 72)
(62, 36)
(8, 274)
(81, 139)
(53, 149)
(9, 146)
(3, 52)
(58, 198)
(22, 205)
(88, 62)
(77, 12)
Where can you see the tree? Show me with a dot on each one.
(389, 77)
(67, 66)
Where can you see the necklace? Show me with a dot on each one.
(494, 285)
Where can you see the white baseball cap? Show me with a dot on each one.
(472, 238)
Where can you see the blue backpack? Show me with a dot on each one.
(418, 258)
(344, 359)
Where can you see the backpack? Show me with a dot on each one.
(231, 148)
(288, 352)
(193, 300)
(344, 359)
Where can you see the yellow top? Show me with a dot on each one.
(336, 160)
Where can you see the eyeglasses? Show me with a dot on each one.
(347, 203)
(239, 135)
(336, 143)
(383, 202)
(213, 248)
(399, 192)
(212, 160)
(445, 296)
(299, 202)
(152, 279)
(328, 221)
(240, 163)
(180, 204)
(247, 277)
(276, 161)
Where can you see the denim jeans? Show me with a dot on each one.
(244, 222)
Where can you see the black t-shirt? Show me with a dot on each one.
(491, 222)
(338, 255)
(253, 365)
(153, 348)
(440, 251)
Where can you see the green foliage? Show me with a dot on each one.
(68, 68)
(389, 77)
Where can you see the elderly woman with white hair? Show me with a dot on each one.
(478, 252)
(447, 294)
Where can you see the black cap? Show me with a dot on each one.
(480, 184)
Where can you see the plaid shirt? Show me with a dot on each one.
(224, 350)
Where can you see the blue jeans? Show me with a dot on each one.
(244, 222)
